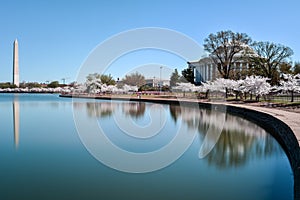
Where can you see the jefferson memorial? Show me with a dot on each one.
(206, 69)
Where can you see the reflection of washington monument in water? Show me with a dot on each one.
(16, 100)
(16, 119)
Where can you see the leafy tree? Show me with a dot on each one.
(224, 48)
(93, 76)
(73, 84)
(53, 84)
(146, 88)
(188, 75)
(7, 85)
(165, 88)
(107, 79)
(296, 68)
(285, 68)
(134, 79)
(267, 59)
(30, 85)
(175, 78)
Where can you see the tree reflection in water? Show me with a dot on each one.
(97, 109)
(175, 112)
(134, 109)
(239, 142)
(106, 109)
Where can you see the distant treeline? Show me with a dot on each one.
(53, 84)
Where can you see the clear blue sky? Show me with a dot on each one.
(56, 36)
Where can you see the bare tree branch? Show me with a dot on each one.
(223, 47)
(269, 56)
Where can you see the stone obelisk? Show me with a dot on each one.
(16, 64)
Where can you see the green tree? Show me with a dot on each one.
(30, 85)
(188, 75)
(267, 59)
(134, 79)
(107, 79)
(175, 78)
(101, 78)
(296, 68)
(7, 85)
(53, 84)
(285, 68)
(94, 76)
(224, 48)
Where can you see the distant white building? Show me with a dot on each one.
(164, 83)
(154, 82)
(204, 70)
(151, 82)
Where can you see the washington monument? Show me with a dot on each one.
(16, 64)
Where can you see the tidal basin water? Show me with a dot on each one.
(44, 156)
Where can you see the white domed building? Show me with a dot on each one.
(206, 69)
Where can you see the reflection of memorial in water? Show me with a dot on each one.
(16, 121)
(239, 142)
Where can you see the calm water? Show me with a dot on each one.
(44, 156)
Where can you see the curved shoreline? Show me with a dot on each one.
(283, 125)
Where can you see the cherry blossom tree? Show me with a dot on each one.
(185, 87)
(291, 83)
(93, 83)
(130, 88)
(79, 88)
(219, 85)
(256, 85)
